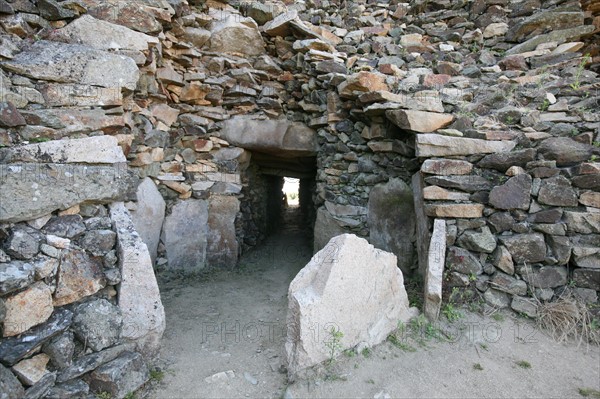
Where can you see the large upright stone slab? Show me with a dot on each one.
(74, 63)
(349, 286)
(222, 244)
(326, 227)
(139, 297)
(391, 221)
(149, 215)
(435, 271)
(30, 191)
(185, 234)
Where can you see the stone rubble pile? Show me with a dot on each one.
(485, 111)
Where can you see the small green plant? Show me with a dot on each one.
(472, 277)
(394, 340)
(594, 158)
(498, 317)
(524, 364)
(371, 381)
(589, 393)
(334, 343)
(103, 395)
(349, 353)
(574, 131)
(576, 85)
(157, 375)
(484, 346)
(545, 105)
(478, 367)
(366, 352)
(39, 140)
(130, 395)
(451, 313)
(596, 144)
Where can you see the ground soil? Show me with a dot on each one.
(235, 321)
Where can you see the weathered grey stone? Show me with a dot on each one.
(222, 245)
(68, 390)
(455, 210)
(79, 276)
(34, 190)
(10, 115)
(361, 82)
(103, 35)
(27, 309)
(436, 145)
(391, 221)
(327, 293)
(501, 162)
(149, 215)
(557, 191)
(98, 242)
(185, 235)
(22, 243)
(121, 376)
(479, 241)
(497, 299)
(46, 266)
(525, 248)
(524, 306)
(539, 22)
(503, 260)
(87, 363)
(446, 167)
(561, 248)
(582, 222)
(545, 277)
(565, 150)
(469, 183)
(462, 261)
(74, 63)
(136, 16)
(42, 387)
(435, 271)
(510, 285)
(326, 227)
(53, 11)
(68, 226)
(514, 194)
(558, 36)
(97, 150)
(98, 323)
(585, 295)
(587, 278)
(419, 121)
(31, 370)
(14, 349)
(235, 34)
(139, 296)
(61, 350)
(277, 136)
(197, 36)
(10, 386)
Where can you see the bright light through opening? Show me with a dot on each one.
(291, 189)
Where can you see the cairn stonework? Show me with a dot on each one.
(179, 119)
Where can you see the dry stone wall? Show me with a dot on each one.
(484, 112)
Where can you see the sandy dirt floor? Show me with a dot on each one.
(226, 330)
